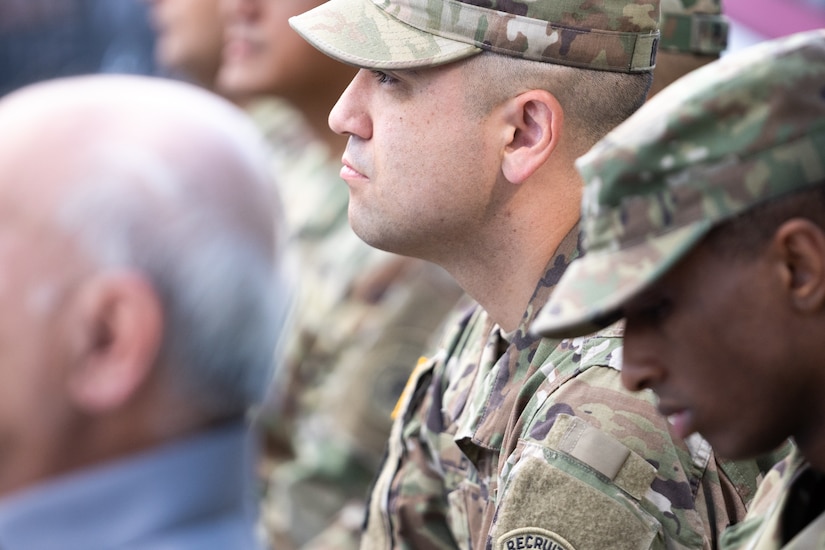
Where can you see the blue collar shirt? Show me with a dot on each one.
(196, 493)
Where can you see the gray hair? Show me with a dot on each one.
(215, 268)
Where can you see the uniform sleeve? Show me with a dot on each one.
(579, 488)
(597, 467)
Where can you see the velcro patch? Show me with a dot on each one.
(628, 470)
(532, 538)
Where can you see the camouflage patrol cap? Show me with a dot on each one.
(613, 35)
(693, 26)
(738, 132)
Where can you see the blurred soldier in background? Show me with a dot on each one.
(694, 33)
(189, 39)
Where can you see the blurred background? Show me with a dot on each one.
(757, 20)
(49, 38)
(42, 39)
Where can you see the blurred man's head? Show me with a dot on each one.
(264, 56)
(140, 270)
(189, 38)
(704, 228)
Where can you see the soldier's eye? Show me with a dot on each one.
(383, 78)
(649, 311)
(655, 312)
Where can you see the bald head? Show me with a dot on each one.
(75, 120)
(141, 214)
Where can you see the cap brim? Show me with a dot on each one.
(595, 287)
(359, 33)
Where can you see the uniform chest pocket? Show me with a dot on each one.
(579, 490)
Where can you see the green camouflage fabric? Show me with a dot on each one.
(762, 529)
(362, 319)
(693, 26)
(741, 130)
(613, 35)
(510, 441)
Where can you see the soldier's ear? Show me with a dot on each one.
(800, 245)
(118, 336)
(534, 120)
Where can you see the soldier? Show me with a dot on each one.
(463, 126)
(693, 35)
(364, 316)
(720, 274)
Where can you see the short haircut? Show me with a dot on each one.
(746, 235)
(594, 101)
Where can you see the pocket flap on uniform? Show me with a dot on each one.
(603, 453)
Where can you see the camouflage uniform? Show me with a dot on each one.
(363, 317)
(736, 134)
(784, 493)
(510, 441)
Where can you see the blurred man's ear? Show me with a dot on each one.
(800, 245)
(535, 120)
(119, 337)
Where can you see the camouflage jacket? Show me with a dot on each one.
(783, 496)
(518, 442)
(362, 319)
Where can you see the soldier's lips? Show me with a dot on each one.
(681, 421)
(350, 174)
